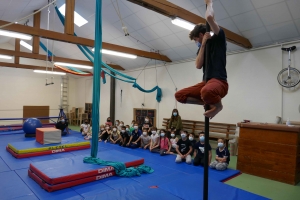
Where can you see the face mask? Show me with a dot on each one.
(146, 120)
(108, 120)
(191, 138)
(153, 132)
(62, 120)
(145, 133)
(135, 127)
(175, 114)
(102, 129)
(132, 124)
(117, 123)
(173, 135)
(106, 128)
(162, 134)
(114, 129)
(198, 44)
(220, 144)
(202, 138)
(127, 129)
(123, 131)
(121, 124)
(183, 135)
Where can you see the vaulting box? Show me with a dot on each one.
(48, 135)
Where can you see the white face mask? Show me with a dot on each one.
(127, 129)
(123, 131)
(102, 129)
(191, 138)
(172, 135)
(117, 123)
(146, 120)
(153, 132)
(135, 127)
(114, 129)
(162, 134)
(183, 135)
(144, 133)
(121, 124)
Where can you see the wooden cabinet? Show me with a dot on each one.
(139, 115)
(88, 110)
(270, 150)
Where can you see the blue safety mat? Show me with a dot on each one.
(169, 180)
(74, 165)
(11, 132)
(68, 193)
(12, 187)
(33, 144)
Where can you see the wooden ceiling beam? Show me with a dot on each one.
(36, 39)
(17, 49)
(56, 59)
(79, 40)
(21, 66)
(69, 17)
(171, 10)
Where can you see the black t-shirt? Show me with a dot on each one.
(200, 149)
(124, 135)
(223, 153)
(61, 126)
(184, 146)
(217, 58)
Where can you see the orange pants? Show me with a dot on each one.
(210, 92)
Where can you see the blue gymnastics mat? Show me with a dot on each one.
(12, 187)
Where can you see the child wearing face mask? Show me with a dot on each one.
(124, 136)
(173, 141)
(89, 135)
(199, 151)
(115, 136)
(175, 122)
(147, 125)
(144, 139)
(132, 126)
(121, 124)
(108, 122)
(222, 157)
(136, 133)
(154, 142)
(85, 128)
(164, 143)
(104, 136)
(183, 149)
(117, 123)
(192, 140)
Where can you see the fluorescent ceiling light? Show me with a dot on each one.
(185, 24)
(27, 46)
(5, 57)
(116, 53)
(49, 72)
(15, 35)
(78, 20)
(73, 65)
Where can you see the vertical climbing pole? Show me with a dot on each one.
(96, 78)
(206, 131)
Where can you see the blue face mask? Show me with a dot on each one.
(198, 44)
(202, 138)
(220, 145)
(175, 114)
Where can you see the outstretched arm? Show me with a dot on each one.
(209, 15)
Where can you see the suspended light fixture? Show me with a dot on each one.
(15, 35)
(73, 65)
(116, 53)
(49, 72)
(5, 57)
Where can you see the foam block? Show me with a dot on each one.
(48, 135)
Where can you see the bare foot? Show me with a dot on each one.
(214, 109)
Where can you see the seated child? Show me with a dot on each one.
(165, 145)
(136, 133)
(145, 139)
(184, 148)
(105, 134)
(89, 135)
(154, 142)
(173, 141)
(222, 156)
(128, 130)
(85, 128)
(115, 137)
(199, 151)
(192, 140)
(124, 136)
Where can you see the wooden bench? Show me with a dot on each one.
(216, 130)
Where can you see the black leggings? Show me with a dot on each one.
(198, 161)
